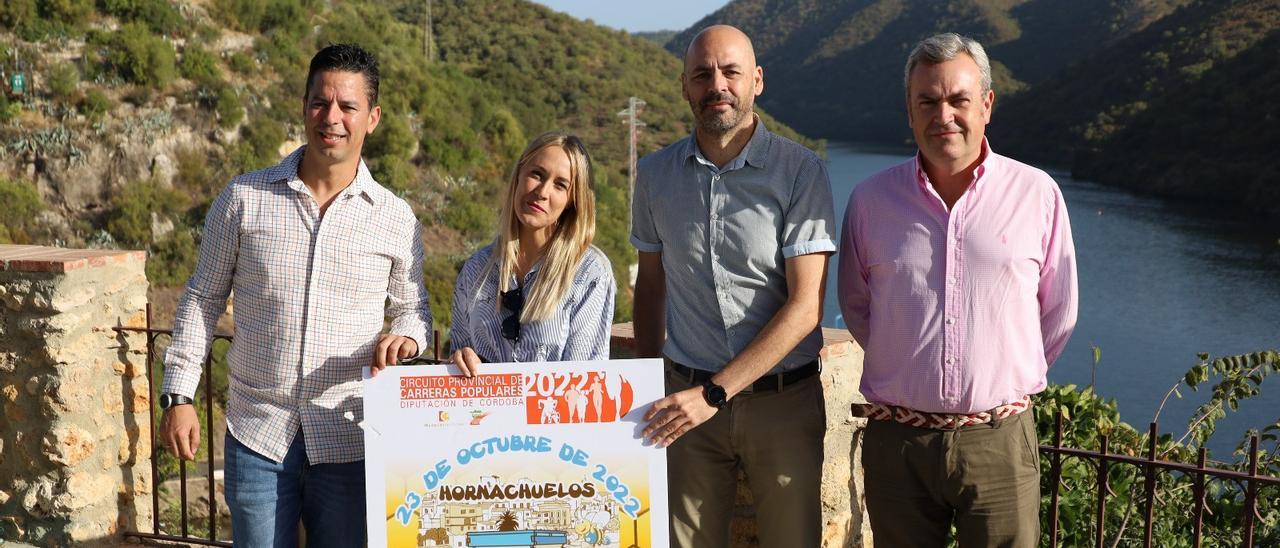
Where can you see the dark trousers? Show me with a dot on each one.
(983, 478)
(776, 437)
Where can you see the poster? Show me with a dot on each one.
(545, 454)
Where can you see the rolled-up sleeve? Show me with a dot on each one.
(810, 219)
(644, 232)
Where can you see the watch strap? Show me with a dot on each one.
(169, 400)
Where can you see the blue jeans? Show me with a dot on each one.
(267, 498)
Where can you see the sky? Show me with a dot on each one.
(633, 17)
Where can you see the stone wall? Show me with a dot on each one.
(845, 523)
(75, 440)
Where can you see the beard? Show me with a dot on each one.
(719, 122)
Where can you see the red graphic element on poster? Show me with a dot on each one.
(556, 398)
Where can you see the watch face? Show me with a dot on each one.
(165, 401)
(714, 394)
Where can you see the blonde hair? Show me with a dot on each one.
(573, 235)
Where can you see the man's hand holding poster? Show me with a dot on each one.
(545, 454)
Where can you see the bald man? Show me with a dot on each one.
(734, 227)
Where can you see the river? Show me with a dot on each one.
(1160, 281)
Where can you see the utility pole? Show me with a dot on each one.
(629, 115)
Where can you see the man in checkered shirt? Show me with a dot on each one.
(318, 255)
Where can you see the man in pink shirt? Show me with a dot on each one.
(957, 275)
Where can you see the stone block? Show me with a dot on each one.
(138, 319)
(15, 294)
(71, 296)
(69, 445)
(8, 362)
(88, 488)
(130, 369)
(38, 501)
(10, 392)
(84, 529)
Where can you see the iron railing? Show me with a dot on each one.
(1150, 466)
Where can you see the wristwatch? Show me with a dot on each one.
(170, 400)
(714, 394)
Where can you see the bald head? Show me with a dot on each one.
(720, 39)
(721, 79)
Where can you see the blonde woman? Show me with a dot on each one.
(541, 291)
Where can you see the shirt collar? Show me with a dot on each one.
(287, 172)
(754, 154)
(979, 172)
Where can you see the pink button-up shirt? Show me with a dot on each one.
(959, 311)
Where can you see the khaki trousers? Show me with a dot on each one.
(983, 478)
(776, 437)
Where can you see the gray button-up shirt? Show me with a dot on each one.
(724, 235)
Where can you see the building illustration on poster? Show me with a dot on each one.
(520, 455)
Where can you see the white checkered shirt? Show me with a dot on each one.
(311, 299)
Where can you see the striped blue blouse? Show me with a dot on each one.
(579, 329)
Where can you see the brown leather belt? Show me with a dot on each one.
(775, 382)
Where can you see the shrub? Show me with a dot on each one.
(449, 143)
(199, 66)
(8, 110)
(172, 259)
(21, 204)
(129, 221)
(64, 78)
(159, 15)
(469, 214)
(439, 273)
(95, 104)
(259, 145)
(243, 15)
(141, 57)
(241, 63)
(72, 13)
(18, 14)
(195, 176)
(228, 108)
(392, 172)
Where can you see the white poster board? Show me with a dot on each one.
(520, 455)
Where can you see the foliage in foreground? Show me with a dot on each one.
(1087, 417)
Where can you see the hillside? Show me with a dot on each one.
(1182, 107)
(139, 111)
(1214, 138)
(834, 68)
